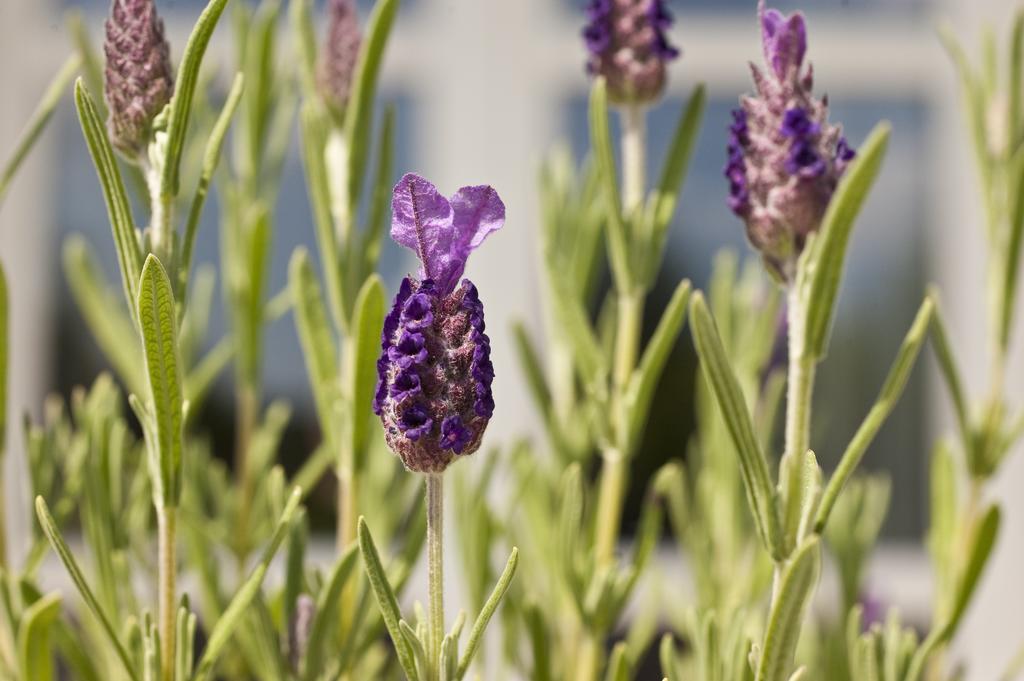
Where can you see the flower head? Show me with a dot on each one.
(138, 78)
(341, 52)
(628, 46)
(434, 373)
(784, 157)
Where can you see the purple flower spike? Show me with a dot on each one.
(138, 82)
(434, 393)
(341, 53)
(628, 45)
(784, 157)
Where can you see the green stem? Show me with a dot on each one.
(160, 231)
(634, 146)
(245, 424)
(3, 513)
(435, 569)
(166, 525)
(800, 384)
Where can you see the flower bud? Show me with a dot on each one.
(784, 157)
(628, 46)
(434, 374)
(138, 78)
(340, 54)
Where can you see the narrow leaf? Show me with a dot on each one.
(729, 396)
(327, 607)
(359, 111)
(129, 254)
(601, 141)
(159, 325)
(184, 91)
(361, 372)
(317, 339)
(49, 528)
(233, 615)
(36, 124)
(645, 378)
(386, 600)
(211, 156)
(477, 632)
(892, 389)
(828, 250)
(103, 312)
(786, 617)
(35, 657)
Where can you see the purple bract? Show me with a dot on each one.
(628, 46)
(138, 82)
(340, 54)
(784, 157)
(435, 373)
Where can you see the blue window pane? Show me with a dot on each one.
(882, 286)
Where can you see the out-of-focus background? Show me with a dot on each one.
(483, 90)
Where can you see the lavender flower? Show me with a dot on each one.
(628, 46)
(341, 52)
(434, 373)
(138, 79)
(784, 157)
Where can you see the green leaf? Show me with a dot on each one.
(103, 313)
(950, 371)
(983, 539)
(129, 254)
(327, 608)
(618, 664)
(359, 110)
(184, 641)
(800, 503)
(35, 657)
(943, 515)
(232, 617)
(787, 613)
(49, 528)
(211, 156)
(601, 142)
(1012, 248)
(313, 128)
(540, 642)
(184, 92)
(305, 40)
(159, 325)
(380, 207)
(386, 600)
(646, 376)
(36, 124)
(823, 264)
(317, 340)
(200, 379)
(477, 632)
(665, 197)
(530, 361)
(591, 363)
(892, 389)
(981, 543)
(361, 371)
(729, 397)
(670, 665)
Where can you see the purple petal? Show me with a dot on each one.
(421, 219)
(443, 233)
(478, 211)
(784, 39)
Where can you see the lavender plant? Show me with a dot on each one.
(753, 537)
